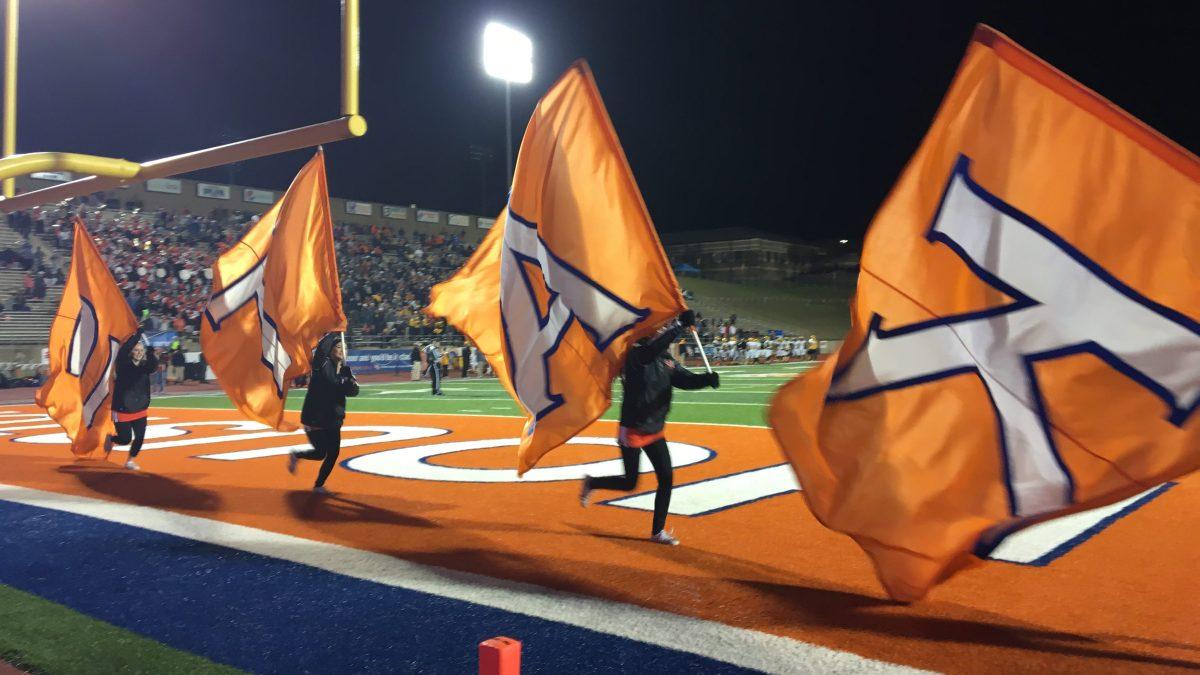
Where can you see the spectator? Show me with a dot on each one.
(178, 361)
(415, 356)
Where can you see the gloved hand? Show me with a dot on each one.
(714, 380)
(687, 319)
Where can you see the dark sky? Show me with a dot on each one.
(794, 117)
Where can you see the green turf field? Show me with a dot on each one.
(39, 636)
(742, 399)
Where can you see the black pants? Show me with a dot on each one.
(131, 431)
(660, 458)
(435, 373)
(327, 444)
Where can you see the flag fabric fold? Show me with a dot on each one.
(1024, 339)
(275, 294)
(92, 322)
(571, 273)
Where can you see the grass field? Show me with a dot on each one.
(742, 399)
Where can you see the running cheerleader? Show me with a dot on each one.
(648, 377)
(325, 407)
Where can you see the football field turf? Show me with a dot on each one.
(742, 399)
(213, 557)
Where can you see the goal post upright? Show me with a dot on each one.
(349, 125)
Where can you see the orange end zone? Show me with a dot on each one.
(1124, 599)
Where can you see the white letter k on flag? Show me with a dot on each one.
(1064, 304)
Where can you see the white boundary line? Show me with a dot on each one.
(457, 414)
(738, 646)
(434, 414)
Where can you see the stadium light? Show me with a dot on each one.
(843, 241)
(508, 56)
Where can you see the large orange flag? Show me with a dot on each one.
(275, 295)
(1024, 337)
(93, 321)
(571, 273)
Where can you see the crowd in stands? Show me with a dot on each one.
(40, 272)
(162, 260)
(385, 299)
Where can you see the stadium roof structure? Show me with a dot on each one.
(724, 234)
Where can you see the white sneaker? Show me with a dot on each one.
(132, 465)
(585, 492)
(320, 490)
(664, 537)
(292, 461)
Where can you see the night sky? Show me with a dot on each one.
(794, 117)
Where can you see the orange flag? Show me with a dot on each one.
(275, 295)
(92, 322)
(569, 276)
(1024, 337)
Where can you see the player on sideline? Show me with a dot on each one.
(325, 407)
(433, 360)
(648, 377)
(131, 397)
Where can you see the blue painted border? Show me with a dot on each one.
(268, 615)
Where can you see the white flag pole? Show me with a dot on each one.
(701, 348)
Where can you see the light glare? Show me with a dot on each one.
(507, 53)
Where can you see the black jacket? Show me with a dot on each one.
(328, 387)
(649, 375)
(131, 391)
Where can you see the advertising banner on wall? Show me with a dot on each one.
(168, 185)
(379, 360)
(358, 208)
(56, 176)
(396, 212)
(258, 196)
(427, 216)
(212, 191)
(161, 340)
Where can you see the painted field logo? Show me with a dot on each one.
(242, 452)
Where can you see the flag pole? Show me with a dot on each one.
(701, 348)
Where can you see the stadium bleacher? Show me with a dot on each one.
(160, 259)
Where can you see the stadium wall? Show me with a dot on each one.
(201, 197)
